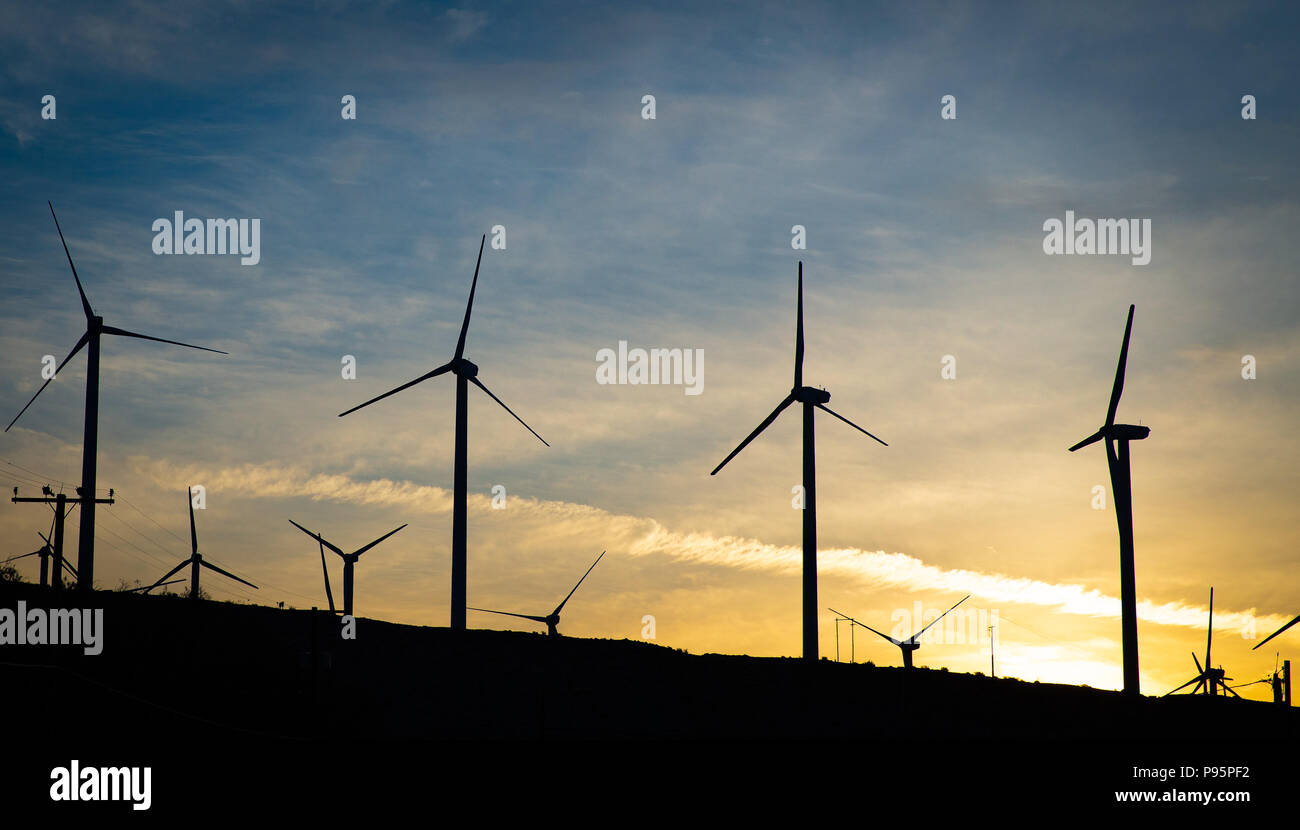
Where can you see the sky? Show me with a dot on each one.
(924, 248)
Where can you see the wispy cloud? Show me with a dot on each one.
(641, 536)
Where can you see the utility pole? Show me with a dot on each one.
(62, 506)
(992, 673)
(852, 639)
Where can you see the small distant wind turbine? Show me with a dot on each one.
(1121, 485)
(349, 561)
(912, 643)
(466, 373)
(45, 552)
(1207, 680)
(196, 560)
(90, 441)
(551, 620)
(1279, 631)
(812, 399)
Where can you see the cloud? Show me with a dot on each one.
(642, 537)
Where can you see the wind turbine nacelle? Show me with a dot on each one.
(466, 369)
(1128, 432)
(808, 394)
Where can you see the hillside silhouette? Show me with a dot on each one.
(227, 670)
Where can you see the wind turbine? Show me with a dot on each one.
(912, 643)
(552, 620)
(95, 328)
(196, 561)
(349, 561)
(45, 552)
(1121, 485)
(1207, 680)
(1279, 631)
(811, 399)
(466, 373)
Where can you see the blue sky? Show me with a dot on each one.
(924, 239)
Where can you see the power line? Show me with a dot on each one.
(142, 534)
(151, 556)
(48, 479)
(150, 518)
(30, 482)
(41, 479)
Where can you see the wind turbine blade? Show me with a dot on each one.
(479, 384)
(85, 338)
(205, 563)
(1180, 688)
(1228, 688)
(1279, 631)
(377, 541)
(918, 634)
(789, 399)
(575, 587)
(167, 575)
(25, 555)
(329, 595)
(125, 333)
(147, 588)
(867, 627)
(464, 327)
(85, 304)
(886, 636)
(1091, 439)
(850, 423)
(1118, 388)
(798, 338)
(509, 614)
(194, 536)
(1198, 663)
(443, 369)
(318, 537)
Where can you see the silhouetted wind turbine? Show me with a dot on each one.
(1208, 680)
(89, 449)
(349, 560)
(552, 620)
(1279, 631)
(912, 643)
(1121, 485)
(811, 399)
(196, 560)
(45, 552)
(466, 373)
